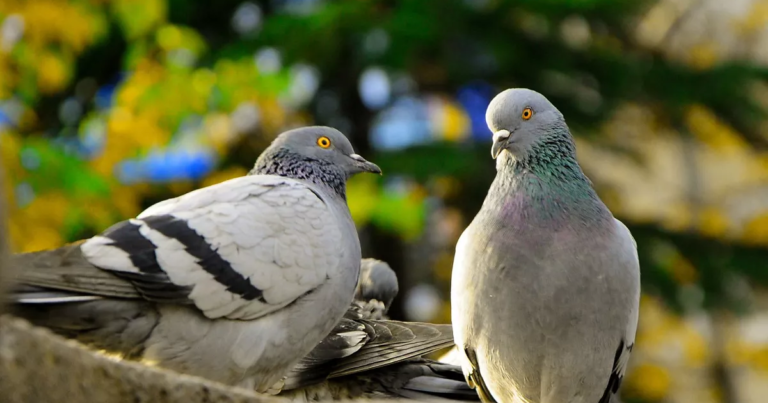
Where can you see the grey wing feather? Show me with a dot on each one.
(417, 379)
(394, 342)
(475, 379)
(444, 380)
(66, 269)
(358, 345)
(617, 374)
(627, 343)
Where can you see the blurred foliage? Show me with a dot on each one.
(107, 106)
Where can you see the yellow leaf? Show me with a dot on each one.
(126, 202)
(43, 238)
(683, 270)
(703, 56)
(179, 188)
(713, 222)
(761, 166)
(444, 314)
(362, 192)
(738, 352)
(760, 358)
(48, 209)
(443, 266)
(169, 37)
(756, 230)
(755, 20)
(708, 128)
(450, 119)
(43, 23)
(649, 382)
(139, 17)
(203, 80)
(99, 213)
(678, 217)
(695, 347)
(52, 73)
(218, 126)
(224, 175)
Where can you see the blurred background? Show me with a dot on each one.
(108, 106)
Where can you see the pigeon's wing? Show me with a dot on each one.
(413, 379)
(475, 378)
(239, 249)
(347, 338)
(434, 380)
(359, 345)
(394, 341)
(624, 349)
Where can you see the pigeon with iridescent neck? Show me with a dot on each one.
(546, 282)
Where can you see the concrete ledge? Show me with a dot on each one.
(38, 366)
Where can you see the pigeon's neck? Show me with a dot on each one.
(547, 187)
(283, 162)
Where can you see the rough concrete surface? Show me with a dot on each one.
(38, 366)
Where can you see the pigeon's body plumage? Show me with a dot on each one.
(369, 356)
(545, 287)
(234, 282)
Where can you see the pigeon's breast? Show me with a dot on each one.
(540, 288)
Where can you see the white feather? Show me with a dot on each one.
(100, 253)
(251, 223)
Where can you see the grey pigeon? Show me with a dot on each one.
(368, 356)
(235, 282)
(546, 282)
(377, 287)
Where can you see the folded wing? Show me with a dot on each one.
(239, 249)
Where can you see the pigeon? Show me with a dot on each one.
(234, 282)
(369, 356)
(376, 289)
(545, 287)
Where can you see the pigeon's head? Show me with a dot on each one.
(520, 119)
(324, 145)
(317, 154)
(377, 281)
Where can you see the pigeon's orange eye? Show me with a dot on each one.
(324, 142)
(527, 113)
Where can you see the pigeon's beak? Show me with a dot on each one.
(499, 142)
(365, 165)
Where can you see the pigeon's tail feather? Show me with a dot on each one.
(51, 298)
(60, 290)
(66, 269)
(413, 395)
(36, 295)
(441, 381)
(116, 326)
(414, 379)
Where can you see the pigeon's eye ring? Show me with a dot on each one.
(527, 113)
(324, 142)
